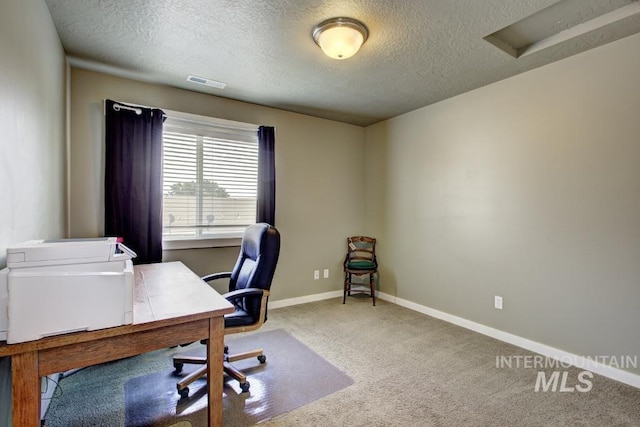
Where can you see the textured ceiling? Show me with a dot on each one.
(418, 52)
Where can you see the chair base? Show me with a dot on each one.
(183, 385)
(348, 283)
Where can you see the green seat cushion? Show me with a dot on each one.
(361, 265)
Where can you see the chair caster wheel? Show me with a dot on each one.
(184, 393)
(262, 358)
(244, 387)
(177, 367)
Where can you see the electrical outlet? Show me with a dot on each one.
(326, 273)
(498, 302)
(316, 274)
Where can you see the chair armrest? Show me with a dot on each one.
(241, 293)
(216, 276)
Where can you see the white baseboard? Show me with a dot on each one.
(304, 300)
(545, 350)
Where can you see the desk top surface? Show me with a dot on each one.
(164, 294)
(170, 290)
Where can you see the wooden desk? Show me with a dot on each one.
(171, 306)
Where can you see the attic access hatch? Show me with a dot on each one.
(562, 21)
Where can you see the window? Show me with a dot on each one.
(210, 173)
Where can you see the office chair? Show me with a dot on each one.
(249, 285)
(360, 261)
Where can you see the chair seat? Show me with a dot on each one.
(361, 265)
(238, 318)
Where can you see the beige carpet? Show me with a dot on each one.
(408, 370)
(413, 370)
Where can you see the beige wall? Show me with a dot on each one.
(529, 189)
(32, 119)
(319, 178)
(32, 147)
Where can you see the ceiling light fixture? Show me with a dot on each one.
(340, 38)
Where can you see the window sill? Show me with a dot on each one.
(172, 245)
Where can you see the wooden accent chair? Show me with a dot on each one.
(249, 285)
(360, 261)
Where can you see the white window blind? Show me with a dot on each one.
(209, 178)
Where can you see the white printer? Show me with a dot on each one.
(52, 287)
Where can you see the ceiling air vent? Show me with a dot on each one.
(206, 82)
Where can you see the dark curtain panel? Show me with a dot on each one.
(266, 205)
(133, 179)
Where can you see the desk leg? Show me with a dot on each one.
(215, 353)
(25, 389)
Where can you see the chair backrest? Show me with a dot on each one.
(256, 263)
(361, 248)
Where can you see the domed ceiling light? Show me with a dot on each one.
(340, 38)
